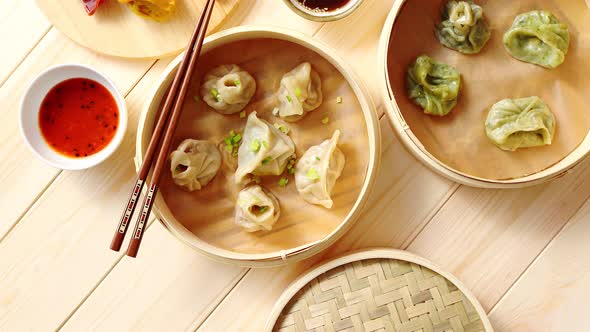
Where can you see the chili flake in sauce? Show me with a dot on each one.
(78, 117)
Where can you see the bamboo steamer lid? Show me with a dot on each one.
(264, 252)
(378, 289)
(413, 144)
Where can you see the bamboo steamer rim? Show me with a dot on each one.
(415, 147)
(366, 254)
(282, 257)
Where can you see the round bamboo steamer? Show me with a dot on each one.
(414, 146)
(282, 257)
(116, 30)
(378, 289)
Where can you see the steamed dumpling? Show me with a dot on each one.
(265, 150)
(433, 86)
(194, 164)
(228, 89)
(158, 10)
(520, 123)
(317, 171)
(463, 27)
(257, 209)
(538, 37)
(300, 92)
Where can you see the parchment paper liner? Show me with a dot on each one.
(209, 213)
(459, 139)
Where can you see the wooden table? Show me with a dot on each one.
(522, 252)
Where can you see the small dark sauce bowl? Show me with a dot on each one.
(323, 15)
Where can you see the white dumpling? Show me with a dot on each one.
(300, 92)
(228, 89)
(229, 159)
(257, 209)
(317, 171)
(194, 164)
(265, 150)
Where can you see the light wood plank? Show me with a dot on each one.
(58, 253)
(169, 287)
(500, 231)
(357, 38)
(22, 25)
(406, 194)
(22, 176)
(553, 293)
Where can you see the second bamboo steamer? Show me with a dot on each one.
(487, 78)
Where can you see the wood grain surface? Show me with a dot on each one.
(521, 252)
(115, 30)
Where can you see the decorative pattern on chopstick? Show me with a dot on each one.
(130, 206)
(140, 225)
(127, 214)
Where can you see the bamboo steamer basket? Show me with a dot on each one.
(281, 257)
(378, 289)
(416, 148)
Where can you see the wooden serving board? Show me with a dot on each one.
(116, 30)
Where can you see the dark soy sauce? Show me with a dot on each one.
(327, 5)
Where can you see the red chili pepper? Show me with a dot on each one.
(91, 6)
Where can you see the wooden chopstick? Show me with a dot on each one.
(162, 156)
(173, 99)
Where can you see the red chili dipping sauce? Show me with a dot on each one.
(78, 117)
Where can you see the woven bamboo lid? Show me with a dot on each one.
(378, 290)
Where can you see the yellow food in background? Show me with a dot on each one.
(158, 10)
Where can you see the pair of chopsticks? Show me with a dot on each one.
(174, 101)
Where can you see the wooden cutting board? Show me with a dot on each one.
(116, 30)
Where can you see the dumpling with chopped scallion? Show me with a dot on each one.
(300, 92)
(520, 123)
(463, 27)
(433, 86)
(538, 37)
(228, 89)
(264, 150)
(318, 169)
(257, 209)
(194, 164)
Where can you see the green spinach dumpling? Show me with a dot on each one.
(520, 123)
(463, 27)
(538, 37)
(433, 86)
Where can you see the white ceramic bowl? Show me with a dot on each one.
(29, 116)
